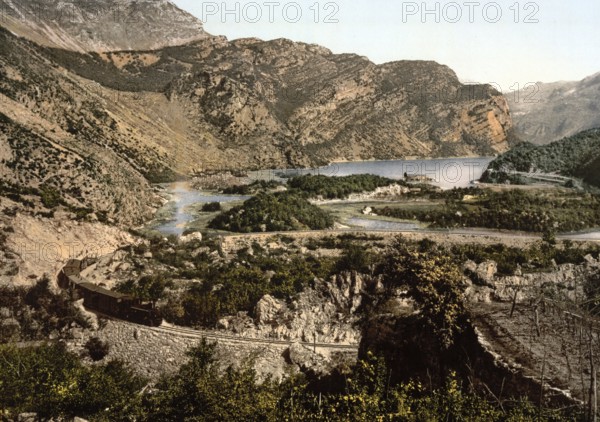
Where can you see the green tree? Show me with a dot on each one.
(434, 282)
(200, 391)
(52, 382)
(356, 257)
(97, 349)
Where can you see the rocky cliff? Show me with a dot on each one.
(326, 312)
(215, 104)
(251, 103)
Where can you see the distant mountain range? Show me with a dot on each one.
(96, 106)
(544, 113)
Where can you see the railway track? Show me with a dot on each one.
(199, 334)
(167, 328)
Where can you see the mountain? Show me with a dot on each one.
(91, 130)
(548, 112)
(100, 25)
(252, 103)
(575, 156)
(56, 134)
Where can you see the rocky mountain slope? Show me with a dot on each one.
(550, 112)
(100, 25)
(61, 138)
(84, 134)
(248, 103)
(251, 103)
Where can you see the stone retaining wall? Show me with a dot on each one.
(154, 351)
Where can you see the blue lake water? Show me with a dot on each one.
(446, 173)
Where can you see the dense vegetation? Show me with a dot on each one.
(36, 313)
(211, 207)
(253, 188)
(338, 187)
(282, 211)
(230, 288)
(575, 156)
(53, 383)
(510, 210)
(433, 280)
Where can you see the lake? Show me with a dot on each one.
(446, 173)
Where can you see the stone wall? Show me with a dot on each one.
(152, 351)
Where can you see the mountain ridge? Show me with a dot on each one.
(101, 25)
(547, 112)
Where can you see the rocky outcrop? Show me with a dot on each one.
(325, 313)
(36, 246)
(196, 236)
(308, 361)
(565, 280)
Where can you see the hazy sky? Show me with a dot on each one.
(505, 42)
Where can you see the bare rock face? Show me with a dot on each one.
(249, 104)
(325, 313)
(101, 25)
(309, 361)
(565, 280)
(484, 272)
(267, 309)
(247, 91)
(197, 236)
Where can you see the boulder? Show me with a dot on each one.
(307, 360)
(267, 309)
(191, 237)
(487, 271)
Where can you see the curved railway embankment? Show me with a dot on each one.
(156, 350)
(153, 351)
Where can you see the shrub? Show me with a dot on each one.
(211, 207)
(97, 349)
(283, 211)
